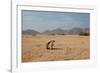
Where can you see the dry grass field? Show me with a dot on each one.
(67, 47)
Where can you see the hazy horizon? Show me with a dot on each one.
(54, 29)
(49, 20)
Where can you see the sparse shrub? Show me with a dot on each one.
(33, 34)
(84, 34)
(53, 34)
(62, 34)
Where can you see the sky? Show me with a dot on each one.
(49, 20)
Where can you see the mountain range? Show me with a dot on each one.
(29, 31)
(58, 31)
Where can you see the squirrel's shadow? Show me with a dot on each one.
(55, 49)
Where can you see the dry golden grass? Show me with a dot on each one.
(68, 47)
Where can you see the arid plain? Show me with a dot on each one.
(67, 47)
